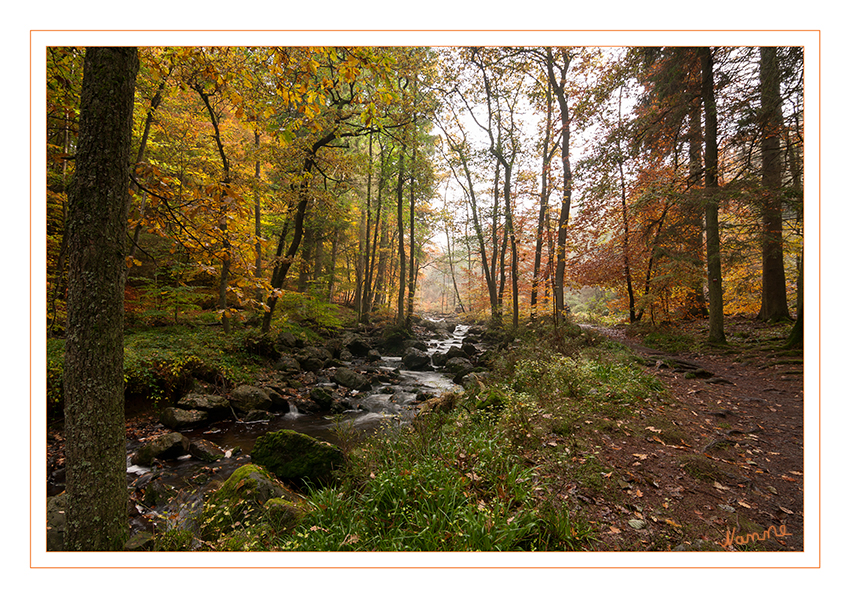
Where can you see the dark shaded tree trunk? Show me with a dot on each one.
(712, 216)
(363, 306)
(795, 338)
(281, 267)
(510, 232)
(695, 298)
(95, 453)
(774, 300)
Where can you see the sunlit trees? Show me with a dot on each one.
(265, 171)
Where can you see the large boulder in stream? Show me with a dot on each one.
(215, 406)
(323, 397)
(296, 457)
(416, 359)
(287, 364)
(359, 346)
(181, 419)
(313, 359)
(167, 446)
(351, 379)
(456, 365)
(245, 399)
(205, 450)
(455, 351)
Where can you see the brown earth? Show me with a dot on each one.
(717, 465)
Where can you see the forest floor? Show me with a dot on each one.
(715, 464)
(721, 460)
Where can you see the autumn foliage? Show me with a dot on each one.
(487, 180)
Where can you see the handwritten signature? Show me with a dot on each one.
(752, 537)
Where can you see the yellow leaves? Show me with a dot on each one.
(349, 70)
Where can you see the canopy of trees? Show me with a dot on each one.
(484, 179)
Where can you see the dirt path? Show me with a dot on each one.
(718, 465)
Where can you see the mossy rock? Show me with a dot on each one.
(296, 457)
(249, 481)
(283, 514)
(242, 500)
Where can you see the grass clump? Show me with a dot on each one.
(444, 484)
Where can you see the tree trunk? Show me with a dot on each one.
(544, 203)
(96, 484)
(509, 226)
(495, 314)
(626, 247)
(558, 86)
(411, 279)
(281, 268)
(774, 300)
(155, 102)
(400, 221)
(332, 266)
(712, 217)
(795, 338)
(449, 253)
(223, 191)
(305, 263)
(258, 230)
(363, 307)
(695, 298)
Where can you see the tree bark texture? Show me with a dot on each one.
(712, 216)
(774, 300)
(95, 454)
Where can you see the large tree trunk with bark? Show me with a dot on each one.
(96, 484)
(774, 300)
(712, 218)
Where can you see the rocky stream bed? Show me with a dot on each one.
(332, 393)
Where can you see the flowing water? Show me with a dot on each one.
(385, 404)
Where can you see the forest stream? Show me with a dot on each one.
(391, 403)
